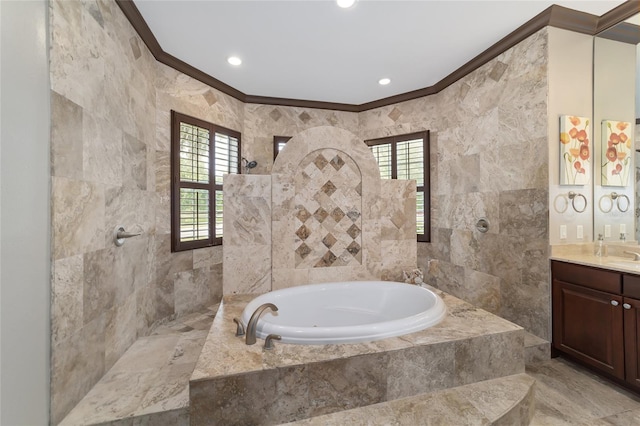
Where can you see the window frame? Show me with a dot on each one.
(426, 188)
(211, 186)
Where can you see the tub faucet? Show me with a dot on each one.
(253, 322)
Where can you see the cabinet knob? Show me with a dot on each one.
(614, 303)
(626, 306)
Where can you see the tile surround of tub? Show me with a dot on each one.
(245, 384)
(503, 401)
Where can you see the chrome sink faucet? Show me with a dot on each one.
(636, 255)
(253, 322)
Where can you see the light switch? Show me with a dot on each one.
(579, 232)
(563, 232)
(607, 231)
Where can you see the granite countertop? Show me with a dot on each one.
(617, 260)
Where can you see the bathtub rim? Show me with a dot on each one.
(344, 335)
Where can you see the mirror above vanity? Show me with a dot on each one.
(614, 130)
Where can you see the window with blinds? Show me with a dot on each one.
(406, 157)
(201, 154)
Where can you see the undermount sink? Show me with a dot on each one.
(626, 264)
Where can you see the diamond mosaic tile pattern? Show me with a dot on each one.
(328, 205)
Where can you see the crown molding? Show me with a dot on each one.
(266, 100)
(138, 23)
(623, 32)
(612, 27)
(624, 11)
(191, 71)
(554, 16)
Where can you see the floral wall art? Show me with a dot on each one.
(575, 153)
(617, 148)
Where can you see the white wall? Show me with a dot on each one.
(24, 213)
(0, 224)
(570, 93)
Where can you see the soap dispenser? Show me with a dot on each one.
(600, 248)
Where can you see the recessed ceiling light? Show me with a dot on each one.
(384, 81)
(234, 60)
(345, 3)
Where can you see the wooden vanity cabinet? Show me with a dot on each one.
(596, 319)
(632, 342)
(631, 307)
(587, 316)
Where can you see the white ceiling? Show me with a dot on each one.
(314, 50)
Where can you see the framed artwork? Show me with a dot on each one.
(617, 149)
(575, 152)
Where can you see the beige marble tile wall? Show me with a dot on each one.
(263, 122)
(109, 168)
(247, 234)
(102, 138)
(189, 280)
(489, 159)
(303, 197)
(327, 207)
(327, 212)
(320, 205)
(398, 247)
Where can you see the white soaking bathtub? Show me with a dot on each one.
(346, 312)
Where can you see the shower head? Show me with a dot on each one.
(249, 164)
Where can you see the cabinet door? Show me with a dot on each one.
(632, 340)
(587, 324)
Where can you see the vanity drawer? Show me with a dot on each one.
(596, 279)
(631, 286)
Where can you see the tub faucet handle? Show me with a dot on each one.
(268, 342)
(239, 328)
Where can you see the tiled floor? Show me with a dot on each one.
(567, 394)
(152, 378)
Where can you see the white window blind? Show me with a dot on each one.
(202, 153)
